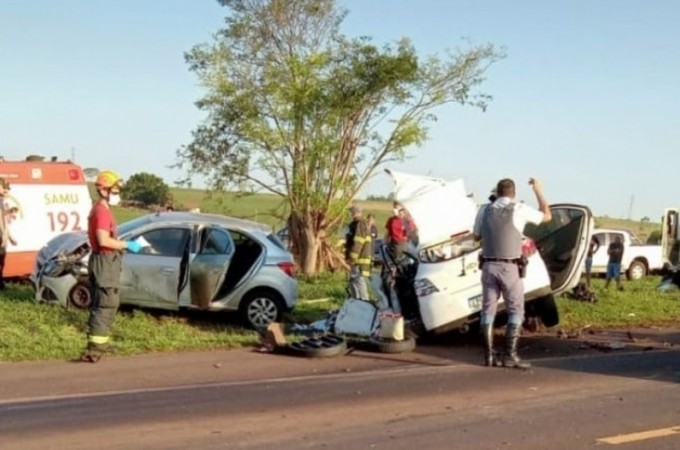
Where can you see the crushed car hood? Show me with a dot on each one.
(439, 208)
(62, 245)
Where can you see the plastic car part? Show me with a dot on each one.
(319, 347)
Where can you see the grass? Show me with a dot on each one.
(31, 331)
(639, 305)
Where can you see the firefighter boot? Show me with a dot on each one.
(490, 357)
(510, 358)
(90, 355)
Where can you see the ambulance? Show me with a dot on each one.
(45, 199)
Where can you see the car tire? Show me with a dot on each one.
(260, 308)
(406, 345)
(636, 271)
(80, 296)
(318, 347)
(547, 311)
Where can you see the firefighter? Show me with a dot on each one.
(105, 265)
(359, 252)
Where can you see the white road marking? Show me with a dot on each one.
(640, 436)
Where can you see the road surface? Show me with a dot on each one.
(619, 400)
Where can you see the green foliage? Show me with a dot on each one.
(147, 189)
(297, 109)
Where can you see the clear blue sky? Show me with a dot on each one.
(588, 99)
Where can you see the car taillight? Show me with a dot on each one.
(528, 247)
(288, 268)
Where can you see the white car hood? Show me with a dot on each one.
(439, 208)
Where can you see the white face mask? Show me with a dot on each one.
(114, 199)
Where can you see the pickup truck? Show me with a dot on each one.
(639, 260)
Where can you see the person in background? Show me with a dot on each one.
(358, 252)
(396, 236)
(5, 232)
(615, 252)
(411, 229)
(104, 265)
(592, 248)
(373, 229)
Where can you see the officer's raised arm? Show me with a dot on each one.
(543, 205)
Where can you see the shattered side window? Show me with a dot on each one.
(451, 249)
(561, 217)
(169, 242)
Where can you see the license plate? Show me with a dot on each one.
(475, 302)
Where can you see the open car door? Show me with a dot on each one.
(151, 277)
(670, 245)
(209, 267)
(563, 244)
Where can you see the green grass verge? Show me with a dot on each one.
(640, 304)
(30, 331)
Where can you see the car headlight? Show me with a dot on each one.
(424, 287)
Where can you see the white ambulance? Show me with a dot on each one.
(46, 198)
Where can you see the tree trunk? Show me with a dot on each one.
(310, 247)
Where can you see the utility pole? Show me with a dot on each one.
(73, 154)
(630, 207)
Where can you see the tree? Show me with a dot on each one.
(297, 109)
(146, 188)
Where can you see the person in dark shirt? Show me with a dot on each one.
(592, 248)
(615, 252)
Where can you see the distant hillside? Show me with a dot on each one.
(259, 207)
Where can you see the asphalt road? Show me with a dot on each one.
(618, 400)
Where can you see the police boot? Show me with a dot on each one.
(490, 356)
(510, 358)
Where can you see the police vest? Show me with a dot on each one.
(500, 237)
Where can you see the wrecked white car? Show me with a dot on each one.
(188, 260)
(438, 285)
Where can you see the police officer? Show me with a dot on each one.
(499, 225)
(359, 253)
(105, 265)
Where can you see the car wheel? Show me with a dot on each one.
(261, 308)
(547, 311)
(636, 271)
(390, 346)
(319, 347)
(80, 296)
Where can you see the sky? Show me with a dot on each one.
(587, 99)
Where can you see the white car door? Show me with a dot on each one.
(600, 257)
(670, 233)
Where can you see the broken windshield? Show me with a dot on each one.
(453, 248)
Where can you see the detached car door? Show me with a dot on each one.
(152, 277)
(563, 244)
(209, 267)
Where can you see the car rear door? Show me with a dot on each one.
(563, 243)
(152, 277)
(209, 267)
(670, 232)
